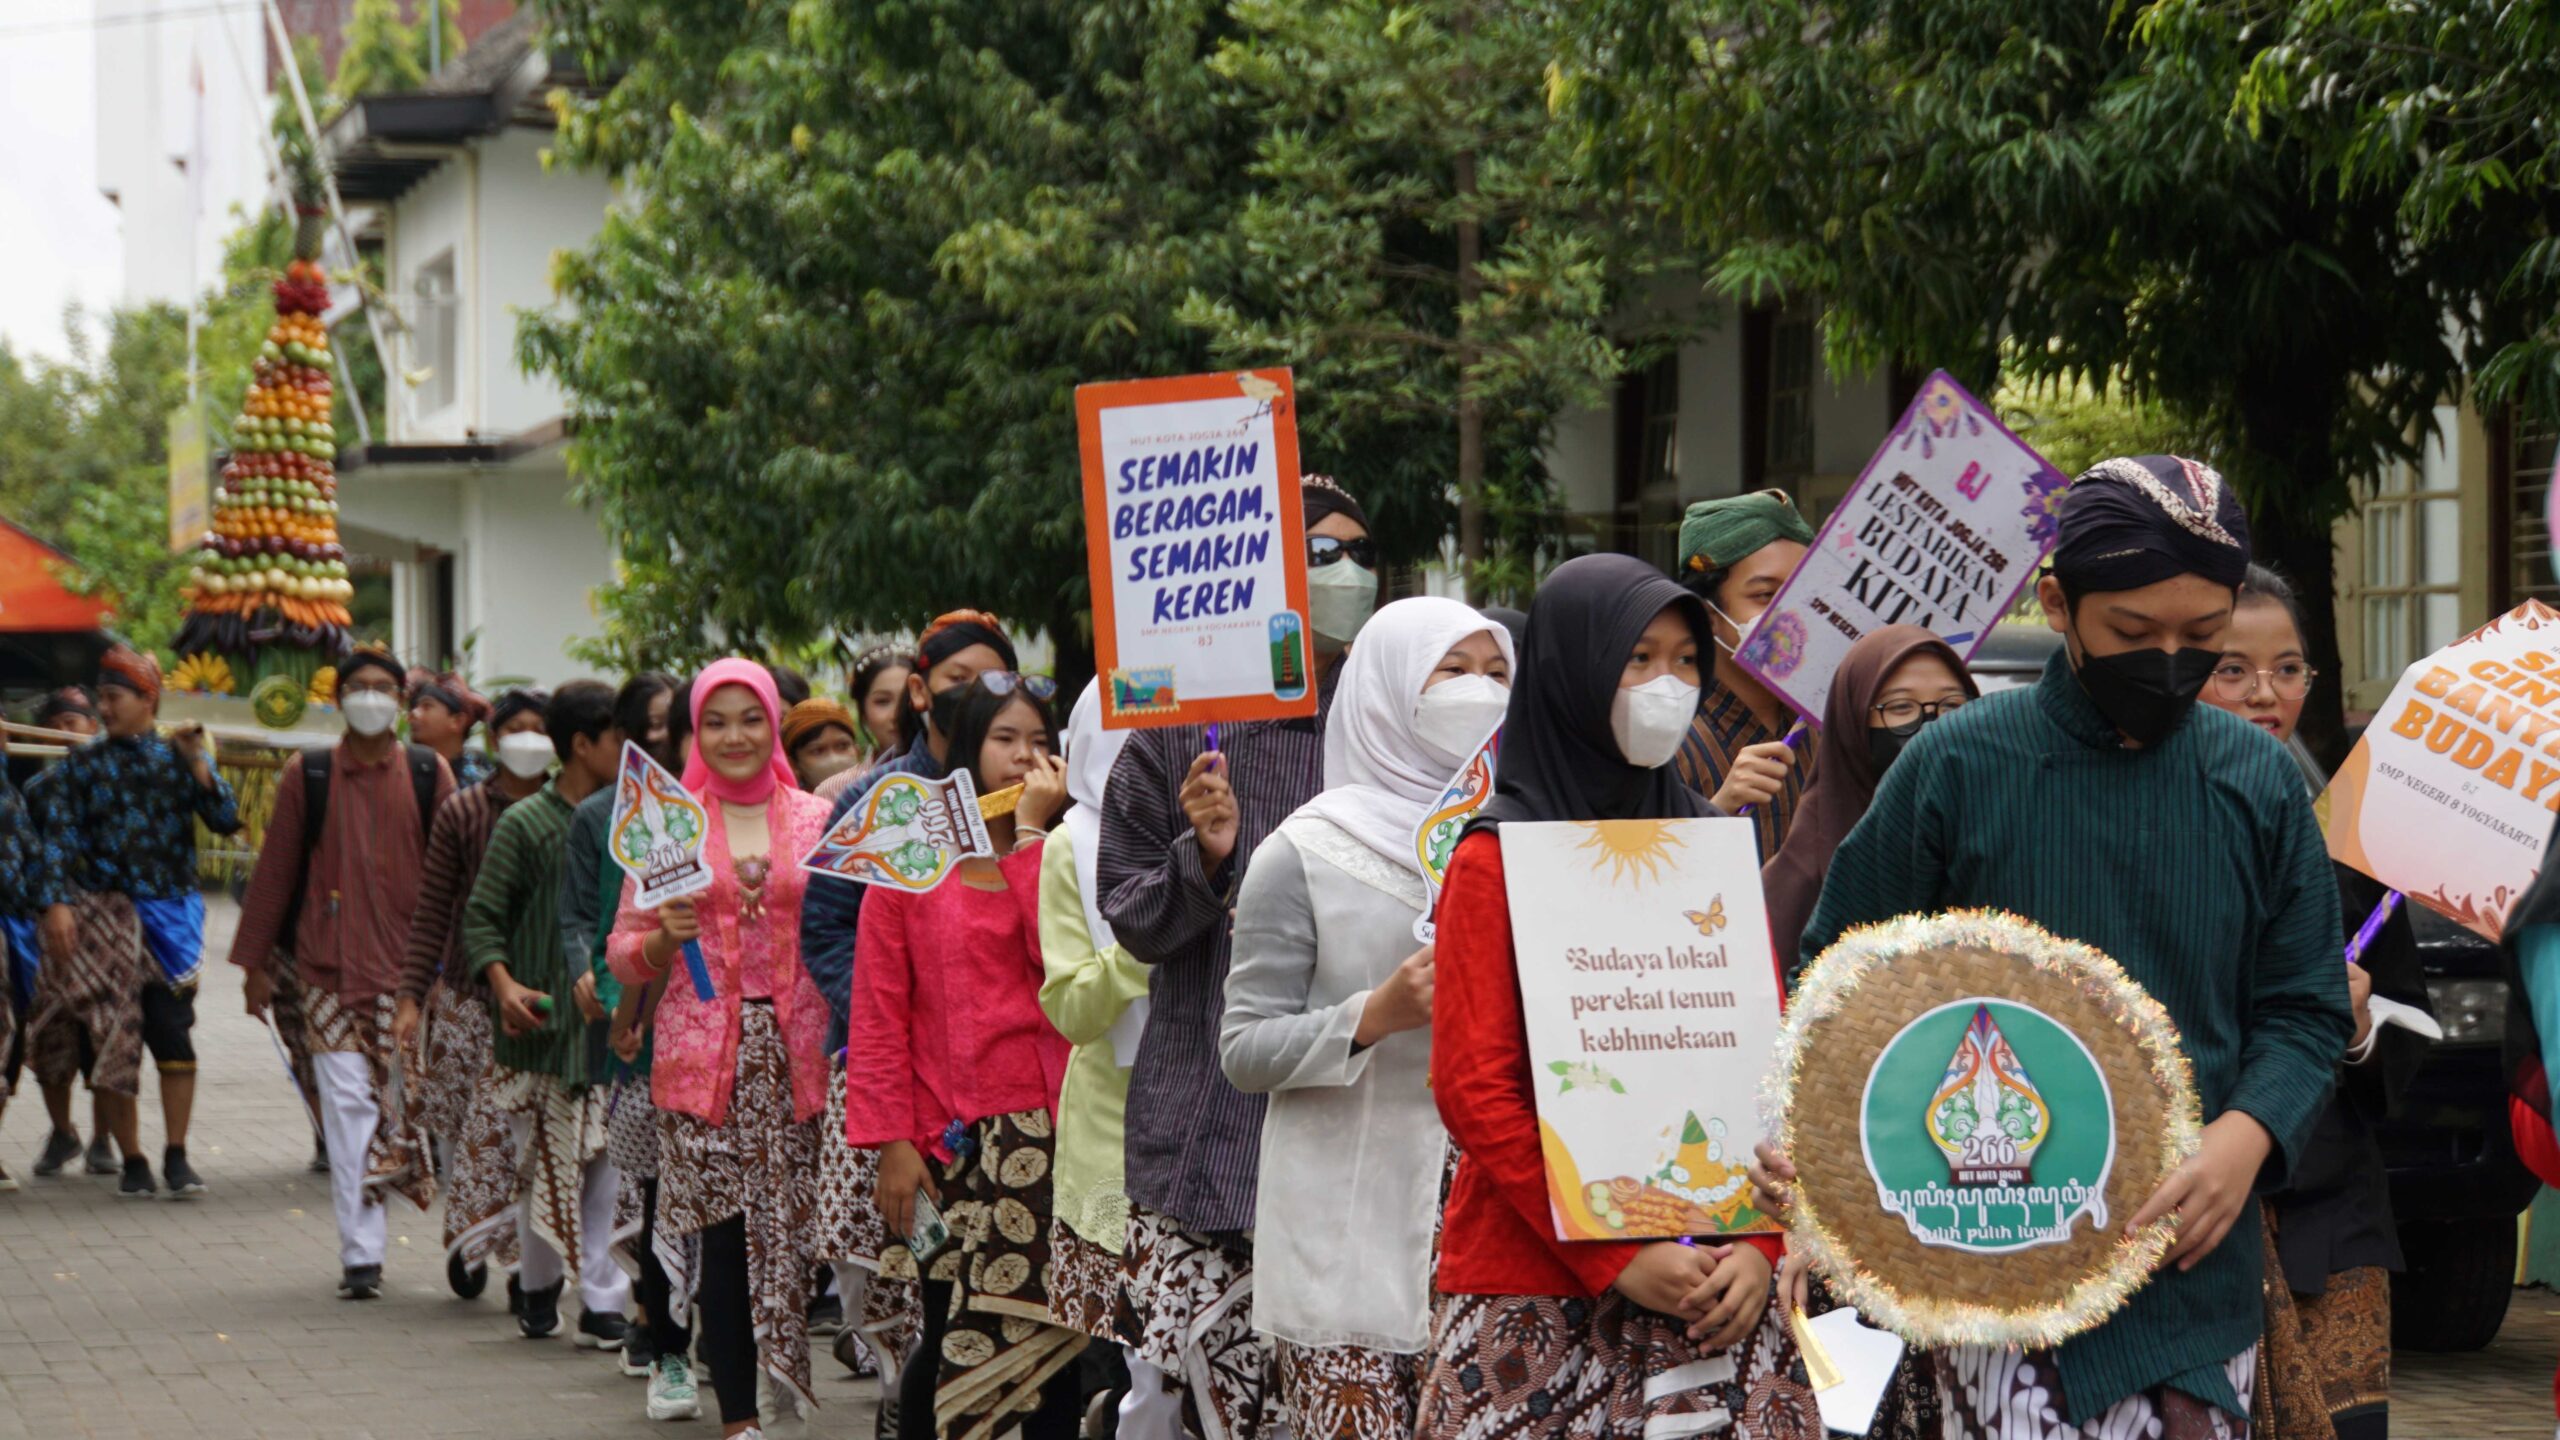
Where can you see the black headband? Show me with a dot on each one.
(2131, 522)
(959, 635)
(516, 702)
(377, 660)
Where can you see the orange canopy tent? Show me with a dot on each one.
(49, 634)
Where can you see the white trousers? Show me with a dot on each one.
(349, 1113)
(1152, 1410)
(602, 1287)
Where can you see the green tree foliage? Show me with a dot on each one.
(1949, 173)
(386, 54)
(1425, 249)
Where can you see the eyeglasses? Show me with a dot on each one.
(1323, 550)
(2289, 681)
(1005, 682)
(1903, 712)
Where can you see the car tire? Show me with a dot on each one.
(2453, 1295)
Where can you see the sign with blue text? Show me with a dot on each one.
(1943, 530)
(1197, 549)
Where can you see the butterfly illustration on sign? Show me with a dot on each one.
(1437, 837)
(1709, 920)
(909, 833)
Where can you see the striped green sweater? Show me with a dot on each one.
(513, 917)
(2199, 866)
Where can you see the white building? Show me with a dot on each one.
(181, 97)
(467, 495)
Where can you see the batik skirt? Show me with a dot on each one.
(1353, 1392)
(1188, 1301)
(1084, 1284)
(2002, 1394)
(564, 1132)
(94, 993)
(849, 1228)
(460, 1105)
(2325, 1365)
(396, 1163)
(1002, 1341)
(760, 1164)
(1546, 1367)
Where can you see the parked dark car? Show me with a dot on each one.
(2456, 1184)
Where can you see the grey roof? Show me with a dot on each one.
(380, 145)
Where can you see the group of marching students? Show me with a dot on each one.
(1164, 1089)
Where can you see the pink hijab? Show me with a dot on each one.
(699, 777)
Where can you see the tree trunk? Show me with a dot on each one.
(1470, 413)
(2286, 425)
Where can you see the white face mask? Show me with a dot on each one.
(1452, 718)
(1741, 629)
(1652, 719)
(526, 754)
(1340, 597)
(368, 712)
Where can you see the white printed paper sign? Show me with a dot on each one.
(1943, 529)
(2449, 796)
(1651, 993)
(1195, 544)
(658, 830)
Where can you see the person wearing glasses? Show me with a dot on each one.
(1181, 821)
(2330, 1235)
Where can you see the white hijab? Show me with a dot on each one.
(1090, 753)
(1379, 778)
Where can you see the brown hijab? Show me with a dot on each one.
(1844, 775)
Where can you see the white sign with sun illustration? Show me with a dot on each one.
(1652, 998)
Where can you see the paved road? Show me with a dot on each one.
(217, 1319)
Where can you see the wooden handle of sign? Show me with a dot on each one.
(1002, 802)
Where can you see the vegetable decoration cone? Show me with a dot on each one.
(269, 590)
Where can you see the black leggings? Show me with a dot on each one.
(1061, 1399)
(728, 1339)
(667, 1332)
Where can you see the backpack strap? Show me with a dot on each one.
(315, 814)
(422, 781)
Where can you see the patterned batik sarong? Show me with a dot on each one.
(849, 1228)
(2002, 1394)
(460, 1106)
(1003, 1341)
(94, 993)
(1545, 1367)
(1189, 1302)
(396, 1163)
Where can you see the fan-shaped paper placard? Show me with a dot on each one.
(1974, 1109)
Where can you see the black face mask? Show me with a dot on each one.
(1884, 744)
(2146, 693)
(945, 712)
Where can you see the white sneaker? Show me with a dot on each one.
(672, 1395)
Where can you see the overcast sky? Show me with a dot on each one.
(58, 240)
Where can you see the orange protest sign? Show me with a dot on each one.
(1197, 548)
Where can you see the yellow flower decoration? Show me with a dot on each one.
(324, 685)
(204, 673)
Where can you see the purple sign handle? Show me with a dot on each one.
(2372, 927)
(1213, 737)
(1794, 741)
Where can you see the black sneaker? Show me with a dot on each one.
(184, 1182)
(136, 1184)
(102, 1156)
(540, 1317)
(600, 1330)
(855, 1356)
(826, 1315)
(515, 1296)
(468, 1280)
(319, 1155)
(639, 1353)
(361, 1282)
(60, 1149)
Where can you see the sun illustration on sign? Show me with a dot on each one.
(1633, 852)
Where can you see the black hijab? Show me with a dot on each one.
(1558, 760)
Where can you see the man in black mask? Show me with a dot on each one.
(2107, 806)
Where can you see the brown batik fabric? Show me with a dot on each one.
(566, 1130)
(460, 1106)
(1346, 1392)
(1003, 1341)
(293, 1026)
(94, 991)
(1084, 1283)
(1909, 1409)
(2002, 1394)
(396, 1162)
(760, 1164)
(1189, 1301)
(2326, 1358)
(849, 1228)
(1546, 1367)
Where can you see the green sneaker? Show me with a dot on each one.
(671, 1392)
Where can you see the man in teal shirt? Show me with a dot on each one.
(2107, 806)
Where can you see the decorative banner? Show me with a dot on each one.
(658, 830)
(2450, 793)
(1437, 839)
(190, 480)
(908, 832)
(1651, 991)
(1197, 548)
(2015, 1098)
(1943, 529)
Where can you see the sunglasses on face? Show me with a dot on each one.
(1323, 550)
(1005, 682)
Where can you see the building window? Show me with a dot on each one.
(1648, 469)
(435, 335)
(1790, 414)
(2530, 445)
(2412, 562)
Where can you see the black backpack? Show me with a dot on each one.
(316, 765)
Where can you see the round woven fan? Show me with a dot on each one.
(1975, 1110)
